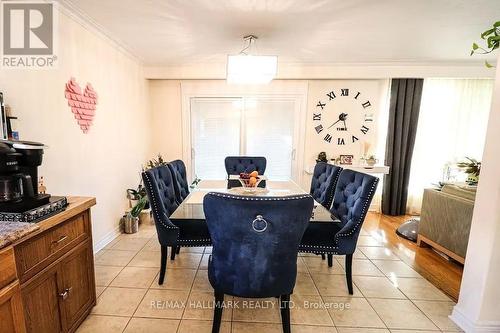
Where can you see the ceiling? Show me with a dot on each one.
(175, 32)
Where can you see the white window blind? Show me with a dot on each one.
(269, 132)
(215, 135)
(242, 126)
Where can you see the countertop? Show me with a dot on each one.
(10, 232)
(15, 232)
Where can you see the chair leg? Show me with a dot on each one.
(323, 256)
(330, 260)
(219, 306)
(163, 263)
(285, 313)
(178, 250)
(348, 272)
(172, 252)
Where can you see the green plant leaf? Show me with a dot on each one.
(487, 64)
(475, 46)
(488, 32)
(496, 24)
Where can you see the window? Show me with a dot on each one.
(252, 126)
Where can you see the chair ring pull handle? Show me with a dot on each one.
(259, 220)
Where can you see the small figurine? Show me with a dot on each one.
(322, 157)
(41, 187)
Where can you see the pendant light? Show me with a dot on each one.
(248, 67)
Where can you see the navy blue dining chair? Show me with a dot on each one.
(181, 186)
(255, 242)
(353, 195)
(159, 184)
(323, 183)
(238, 164)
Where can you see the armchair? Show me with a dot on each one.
(255, 242)
(353, 195)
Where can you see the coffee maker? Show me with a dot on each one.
(19, 161)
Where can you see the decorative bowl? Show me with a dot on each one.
(248, 185)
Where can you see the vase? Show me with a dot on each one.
(371, 162)
(130, 224)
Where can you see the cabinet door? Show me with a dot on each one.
(78, 288)
(41, 303)
(11, 310)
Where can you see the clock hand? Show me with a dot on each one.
(334, 123)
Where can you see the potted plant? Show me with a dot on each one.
(472, 168)
(371, 161)
(131, 220)
(154, 162)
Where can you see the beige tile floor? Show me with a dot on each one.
(389, 296)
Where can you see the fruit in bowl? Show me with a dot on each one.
(249, 180)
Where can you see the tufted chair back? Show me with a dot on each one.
(353, 196)
(238, 164)
(323, 183)
(255, 242)
(181, 187)
(159, 185)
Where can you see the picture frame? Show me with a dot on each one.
(346, 159)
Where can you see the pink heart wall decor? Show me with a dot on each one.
(83, 105)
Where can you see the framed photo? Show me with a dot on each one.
(346, 159)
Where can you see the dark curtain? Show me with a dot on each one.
(403, 119)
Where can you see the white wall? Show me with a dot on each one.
(107, 160)
(166, 105)
(477, 308)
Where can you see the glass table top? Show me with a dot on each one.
(192, 207)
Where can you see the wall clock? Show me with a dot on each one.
(343, 117)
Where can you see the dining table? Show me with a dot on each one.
(190, 215)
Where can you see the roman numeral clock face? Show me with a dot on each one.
(343, 117)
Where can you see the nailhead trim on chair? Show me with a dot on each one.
(240, 197)
(155, 205)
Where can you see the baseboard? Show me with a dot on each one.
(108, 238)
(469, 326)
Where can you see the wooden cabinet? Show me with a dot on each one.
(11, 309)
(57, 299)
(35, 254)
(41, 303)
(51, 275)
(77, 287)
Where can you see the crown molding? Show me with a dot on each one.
(325, 71)
(68, 8)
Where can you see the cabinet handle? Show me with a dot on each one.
(65, 293)
(61, 239)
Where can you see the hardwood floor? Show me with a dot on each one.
(443, 273)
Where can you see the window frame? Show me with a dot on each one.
(276, 90)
